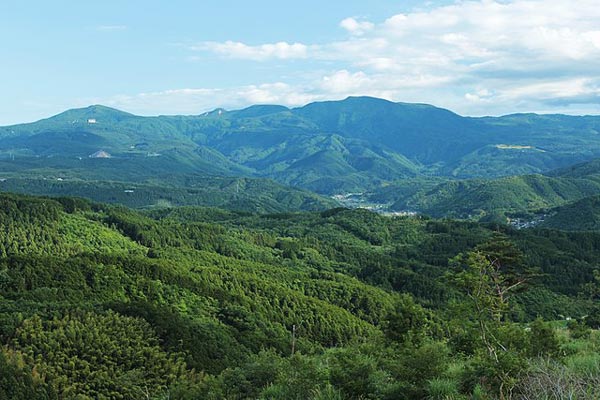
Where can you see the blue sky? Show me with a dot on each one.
(149, 57)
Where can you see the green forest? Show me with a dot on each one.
(101, 301)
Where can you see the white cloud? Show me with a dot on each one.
(554, 90)
(346, 82)
(356, 27)
(274, 93)
(198, 100)
(279, 50)
(475, 57)
(480, 96)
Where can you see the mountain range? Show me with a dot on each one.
(360, 141)
(359, 144)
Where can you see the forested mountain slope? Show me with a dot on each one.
(491, 199)
(102, 301)
(582, 215)
(242, 194)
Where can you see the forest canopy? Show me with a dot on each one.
(101, 301)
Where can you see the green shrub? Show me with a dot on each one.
(443, 389)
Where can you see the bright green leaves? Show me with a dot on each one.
(98, 355)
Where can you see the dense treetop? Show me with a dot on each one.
(103, 301)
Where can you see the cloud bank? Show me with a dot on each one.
(474, 57)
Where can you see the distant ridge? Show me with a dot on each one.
(331, 147)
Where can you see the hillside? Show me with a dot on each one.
(489, 199)
(582, 215)
(352, 145)
(101, 301)
(241, 194)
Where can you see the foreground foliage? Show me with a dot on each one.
(101, 301)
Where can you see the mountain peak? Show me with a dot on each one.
(103, 108)
(99, 109)
(369, 99)
(92, 114)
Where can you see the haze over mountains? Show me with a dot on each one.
(354, 145)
